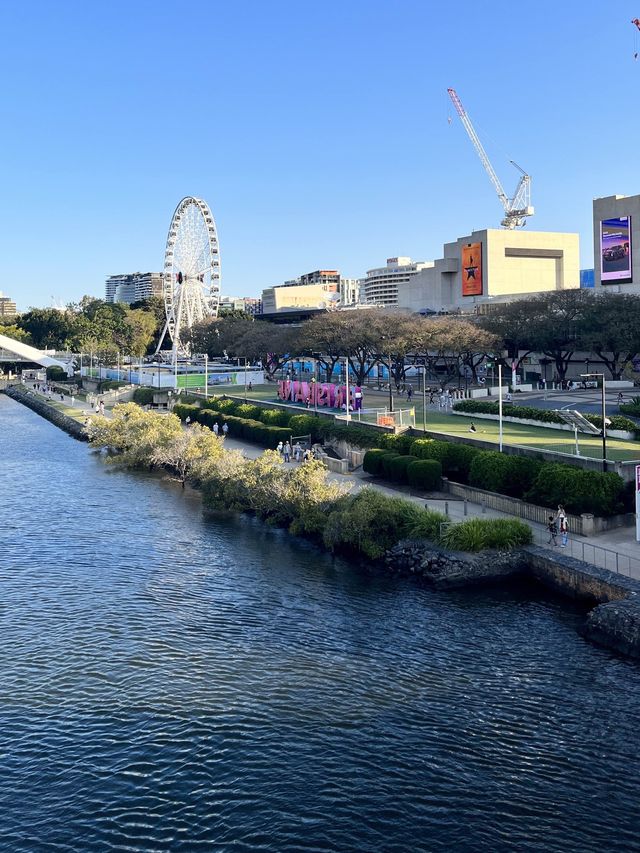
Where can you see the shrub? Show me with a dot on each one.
(387, 459)
(372, 462)
(476, 534)
(228, 407)
(632, 408)
(369, 523)
(358, 436)
(424, 474)
(617, 422)
(247, 410)
(397, 467)
(522, 472)
(211, 403)
(143, 396)
(308, 425)
(183, 411)
(56, 374)
(275, 417)
(458, 460)
(427, 524)
(490, 470)
(600, 493)
(397, 443)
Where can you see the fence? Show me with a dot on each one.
(382, 417)
(595, 555)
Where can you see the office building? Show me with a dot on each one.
(133, 287)
(8, 307)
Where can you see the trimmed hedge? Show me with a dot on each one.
(398, 467)
(144, 396)
(544, 416)
(424, 474)
(397, 443)
(372, 462)
(600, 493)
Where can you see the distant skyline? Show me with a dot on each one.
(319, 134)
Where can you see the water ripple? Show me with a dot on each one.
(170, 683)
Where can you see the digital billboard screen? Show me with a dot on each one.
(472, 269)
(615, 250)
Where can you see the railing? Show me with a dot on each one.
(381, 417)
(595, 555)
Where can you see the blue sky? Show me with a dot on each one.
(317, 132)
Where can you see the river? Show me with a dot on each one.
(170, 682)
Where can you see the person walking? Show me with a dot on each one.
(216, 428)
(561, 522)
(225, 429)
(297, 451)
(280, 448)
(552, 528)
(287, 452)
(101, 407)
(409, 393)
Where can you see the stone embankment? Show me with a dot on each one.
(613, 623)
(69, 425)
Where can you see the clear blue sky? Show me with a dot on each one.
(317, 132)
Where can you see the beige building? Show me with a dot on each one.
(387, 285)
(493, 265)
(292, 297)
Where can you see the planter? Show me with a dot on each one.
(612, 433)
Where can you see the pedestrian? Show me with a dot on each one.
(287, 452)
(552, 528)
(280, 448)
(250, 386)
(620, 397)
(297, 451)
(472, 427)
(187, 420)
(101, 407)
(225, 429)
(62, 397)
(73, 399)
(561, 522)
(409, 393)
(216, 428)
(508, 398)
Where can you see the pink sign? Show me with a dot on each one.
(320, 394)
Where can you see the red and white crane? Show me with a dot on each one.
(517, 208)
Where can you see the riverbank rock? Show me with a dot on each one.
(616, 626)
(450, 569)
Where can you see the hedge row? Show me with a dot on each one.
(545, 416)
(395, 457)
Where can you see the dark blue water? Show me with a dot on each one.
(171, 683)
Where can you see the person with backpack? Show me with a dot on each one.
(552, 527)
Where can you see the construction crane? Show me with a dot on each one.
(516, 209)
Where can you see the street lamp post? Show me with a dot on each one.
(206, 375)
(390, 389)
(245, 379)
(603, 404)
(424, 397)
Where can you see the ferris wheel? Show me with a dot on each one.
(191, 279)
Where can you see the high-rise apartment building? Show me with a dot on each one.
(7, 306)
(383, 285)
(133, 287)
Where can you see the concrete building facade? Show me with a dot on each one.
(8, 307)
(133, 287)
(386, 286)
(616, 244)
(492, 266)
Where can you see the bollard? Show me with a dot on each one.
(446, 508)
(484, 506)
(465, 506)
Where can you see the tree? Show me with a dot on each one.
(16, 333)
(611, 329)
(557, 327)
(49, 328)
(132, 435)
(190, 454)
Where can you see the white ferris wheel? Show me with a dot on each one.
(191, 279)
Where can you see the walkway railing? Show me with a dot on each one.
(595, 555)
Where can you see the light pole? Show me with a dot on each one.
(206, 375)
(500, 405)
(604, 416)
(346, 370)
(245, 379)
(424, 397)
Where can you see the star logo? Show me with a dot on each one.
(471, 269)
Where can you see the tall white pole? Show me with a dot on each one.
(347, 384)
(245, 379)
(500, 404)
(175, 370)
(206, 375)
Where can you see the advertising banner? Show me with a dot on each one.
(615, 250)
(472, 269)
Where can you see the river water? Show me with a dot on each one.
(173, 683)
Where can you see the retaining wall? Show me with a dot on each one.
(69, 425)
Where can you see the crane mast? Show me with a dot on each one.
(517, 208)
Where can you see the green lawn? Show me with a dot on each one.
(540, 437)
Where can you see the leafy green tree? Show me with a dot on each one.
(611, 329)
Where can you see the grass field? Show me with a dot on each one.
(540, 438)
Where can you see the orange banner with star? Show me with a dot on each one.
(472, 269)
